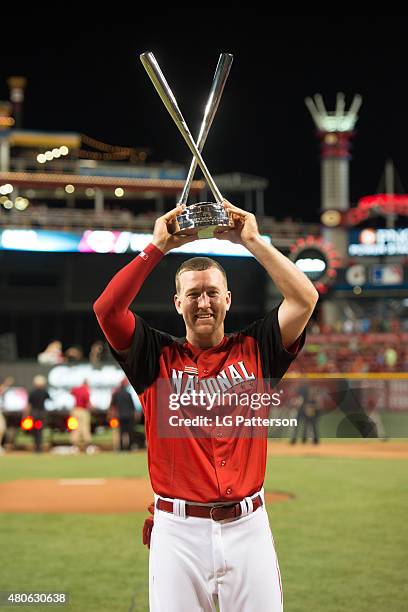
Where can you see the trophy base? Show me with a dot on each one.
(203, 219)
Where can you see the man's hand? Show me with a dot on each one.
(245, 228)
(163, 239)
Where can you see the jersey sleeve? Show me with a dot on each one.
(275, 358)
(112, 307)
(141, 363)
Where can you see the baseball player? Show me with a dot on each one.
(211, 541)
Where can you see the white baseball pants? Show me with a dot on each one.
(196, 563)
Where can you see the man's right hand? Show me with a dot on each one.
(162, 238)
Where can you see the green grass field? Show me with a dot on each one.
(342, 543)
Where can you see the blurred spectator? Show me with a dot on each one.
(348, 326)
(363, 325)
(375, 325)
(395, 325)
(308, 414)
(358, 352)
(123, 406)
(36, 409)
(321, 359)
(359, 364)
(97, 353)
(52, 354)
(74, 354)
(82, 413)
(390, 357)
(4, 386)
(379, 361)
(314, 328)
(112, 414)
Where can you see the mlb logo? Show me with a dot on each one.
(144, 256)
(388, 274)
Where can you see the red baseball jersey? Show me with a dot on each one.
(210, 466)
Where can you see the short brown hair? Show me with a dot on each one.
(197, 264)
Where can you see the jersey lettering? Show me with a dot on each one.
(183, 382)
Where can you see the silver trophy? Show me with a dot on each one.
(203, 218)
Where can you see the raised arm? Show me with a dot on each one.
(112, 306)
(299, 293)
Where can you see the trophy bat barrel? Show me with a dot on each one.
(217, 88)
(153, 70)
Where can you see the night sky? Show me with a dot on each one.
(88, 78)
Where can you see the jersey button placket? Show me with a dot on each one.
(203, 369)
(228, 491)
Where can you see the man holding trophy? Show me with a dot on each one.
(211, 541)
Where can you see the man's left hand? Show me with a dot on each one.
(245, 227)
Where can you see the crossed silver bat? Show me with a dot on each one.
(220, 77)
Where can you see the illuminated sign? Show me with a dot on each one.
(374, 205)
(312, 262)
(62, 378)
(15, 399)
(356, 275)
(104, 241)
(378, 242)
(372, 277)
(388, 274)
(317, 259)
(38, 240)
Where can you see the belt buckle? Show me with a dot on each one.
(212, 510)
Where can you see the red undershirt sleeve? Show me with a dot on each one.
(112, 307)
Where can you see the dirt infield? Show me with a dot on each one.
(84, 495)
(366, 449)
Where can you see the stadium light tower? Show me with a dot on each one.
(335, 131)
